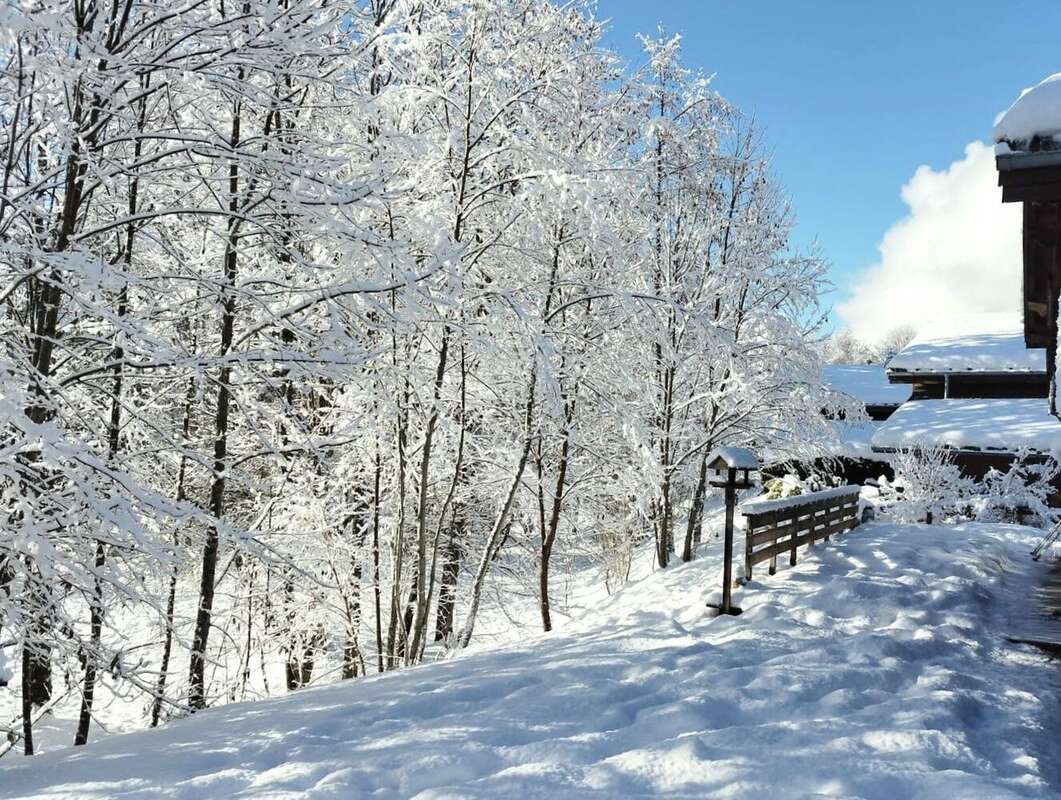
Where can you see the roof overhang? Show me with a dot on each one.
(966, 451)
(915, 375)
(1034, 177)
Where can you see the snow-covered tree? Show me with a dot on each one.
(317, 316)
(930, 485)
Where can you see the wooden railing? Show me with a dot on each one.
(773, 527)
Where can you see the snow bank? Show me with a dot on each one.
(1036, 113)
(1000, 425)
(763, 506)
(865, 382)
(990, 342)
(875, 669)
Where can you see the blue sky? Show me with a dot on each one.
(856, 95)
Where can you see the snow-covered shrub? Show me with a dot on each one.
(616, 557)
(788, 486)
(791, 485)
(1021, 494)
(928, 485)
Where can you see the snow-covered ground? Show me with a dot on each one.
(877, 668)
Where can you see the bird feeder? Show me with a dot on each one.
(731, 468)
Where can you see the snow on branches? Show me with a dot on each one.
(321, 318)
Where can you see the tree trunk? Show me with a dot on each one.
(352, 659)
(549, 535)
(497, 530)
(416, 625)
(298, 669)
(113, 437)
(447, 590)
(197, 667)
(92, 654)
(420, 625)
(375, 561)
(696, 515)
(398, 548)
(171, 598)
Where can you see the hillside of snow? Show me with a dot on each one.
(877, 668)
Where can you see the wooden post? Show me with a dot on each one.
(1051, 341)
(795, 541)
(727, 462)
(727, 566)
(748, 549)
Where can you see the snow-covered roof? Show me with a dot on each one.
(1036, 115)
(1002, 426)
(734, 457)
(865, 382)
(986, 343)
(855, 439)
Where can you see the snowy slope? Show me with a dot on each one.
(875, 669)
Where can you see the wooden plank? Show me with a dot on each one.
(771, 534)
(841, 526)
(1038, 193)
(836, 523)
(1030, 176)
(774, 533)
(783, 546)
(760, 534)
(786, 545)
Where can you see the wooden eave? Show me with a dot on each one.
(1034, 177)
(917, 376)
(968, 450)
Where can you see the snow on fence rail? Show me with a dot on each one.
(775, 526)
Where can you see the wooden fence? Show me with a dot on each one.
(773, 527)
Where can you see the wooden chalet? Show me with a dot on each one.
(1028, 157)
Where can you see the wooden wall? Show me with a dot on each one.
(1042, 279)
(931, 387)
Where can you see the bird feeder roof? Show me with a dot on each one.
(732, 458)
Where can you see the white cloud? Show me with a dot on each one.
(958, 250)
